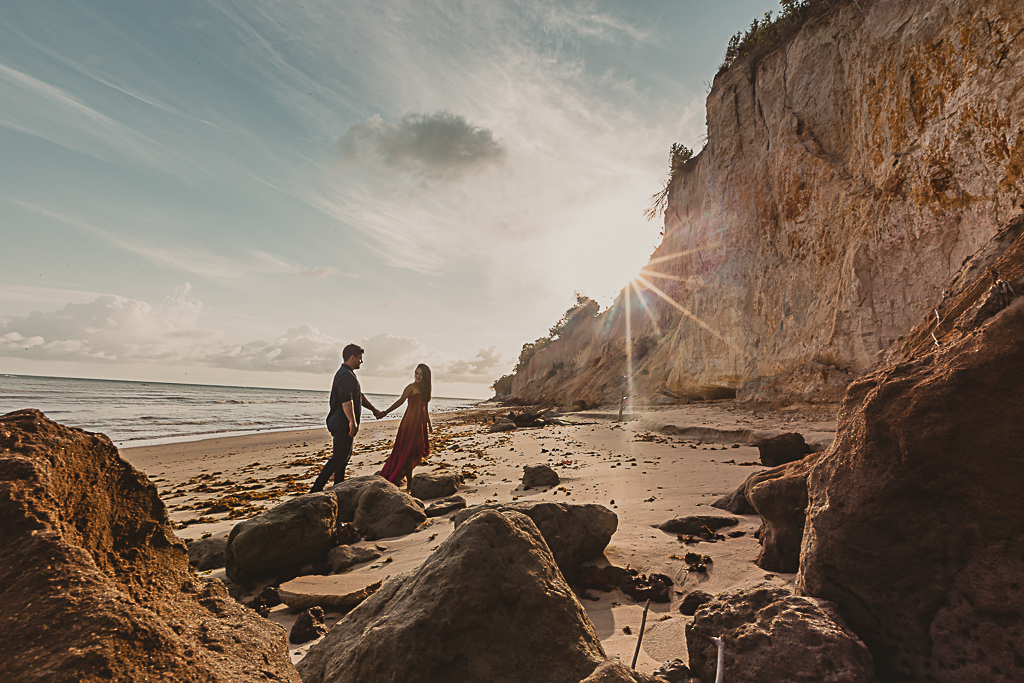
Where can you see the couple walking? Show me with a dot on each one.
(347, 400)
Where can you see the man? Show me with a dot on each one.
(343, 419)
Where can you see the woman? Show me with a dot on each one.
(411, 444)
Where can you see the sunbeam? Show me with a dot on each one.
(679, 254)
(650, 314)
(685, 311)
(663, 275)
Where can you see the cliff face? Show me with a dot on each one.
(847, 177)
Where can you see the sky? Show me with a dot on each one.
(220, 192)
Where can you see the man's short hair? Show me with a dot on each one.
(351, 350)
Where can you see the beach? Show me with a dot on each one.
(659, 464)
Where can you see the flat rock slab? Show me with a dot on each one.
(336, 592)
(695, 524)
(445, 505)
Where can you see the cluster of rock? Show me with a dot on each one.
(296, 536)
(490, 604)
(97, 587)
(573, 533)
(908, 525)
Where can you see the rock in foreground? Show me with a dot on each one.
(913, 525)
(488, 605)
(574, 533)
(377, 508)
(101, 588)
(772, 635)
(279, 542)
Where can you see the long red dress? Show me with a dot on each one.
(411, 444)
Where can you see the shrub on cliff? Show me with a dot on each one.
(678, 156)
(763, 36)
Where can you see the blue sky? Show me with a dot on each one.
(228, 192)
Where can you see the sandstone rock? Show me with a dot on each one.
(428, 486)
(574, 533)
(612, 671)
(488, 605)
(772, 635)
(282, 540)
(101, 589)
(208, 553)
(694, 524)
(345, 557)
(812, 382)
(781, 500)
(778, 450)
(446, 505)
(692, 601)
(539, 475)
(337, 592)
(377, 508)
(824, 213)
(308, 626)
(738, 502)
(913, 522)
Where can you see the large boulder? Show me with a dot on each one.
(488, 605)
(377, 508)
(914, 517)
(574, 533)
(96, 587)
(781, 500)
(772, 635)
(445, 505)
(281, 541)
(695, 524)
(431, 485)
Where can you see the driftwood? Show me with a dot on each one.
(536, 416)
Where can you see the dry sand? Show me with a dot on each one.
(643, 473)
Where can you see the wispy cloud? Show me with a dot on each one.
(190, 259)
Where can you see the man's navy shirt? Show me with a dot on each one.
(344, 389)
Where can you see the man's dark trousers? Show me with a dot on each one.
(337, 463)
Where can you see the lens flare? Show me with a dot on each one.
(689, 314)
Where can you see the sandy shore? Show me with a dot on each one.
(643, 472)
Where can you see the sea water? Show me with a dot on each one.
(143, 413)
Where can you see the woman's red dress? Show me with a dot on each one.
(411, 444)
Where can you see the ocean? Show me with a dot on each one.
(143, 413)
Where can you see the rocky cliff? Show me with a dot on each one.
(849, 175)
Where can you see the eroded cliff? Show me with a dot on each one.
(848, 176)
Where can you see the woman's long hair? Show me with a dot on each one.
(425, 384)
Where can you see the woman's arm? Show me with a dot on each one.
(401, 399)
(430, 427)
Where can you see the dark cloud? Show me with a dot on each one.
(439, 146)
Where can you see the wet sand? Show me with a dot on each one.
(661, 464)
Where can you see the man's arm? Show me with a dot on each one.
(350, 413)
(366, 404)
